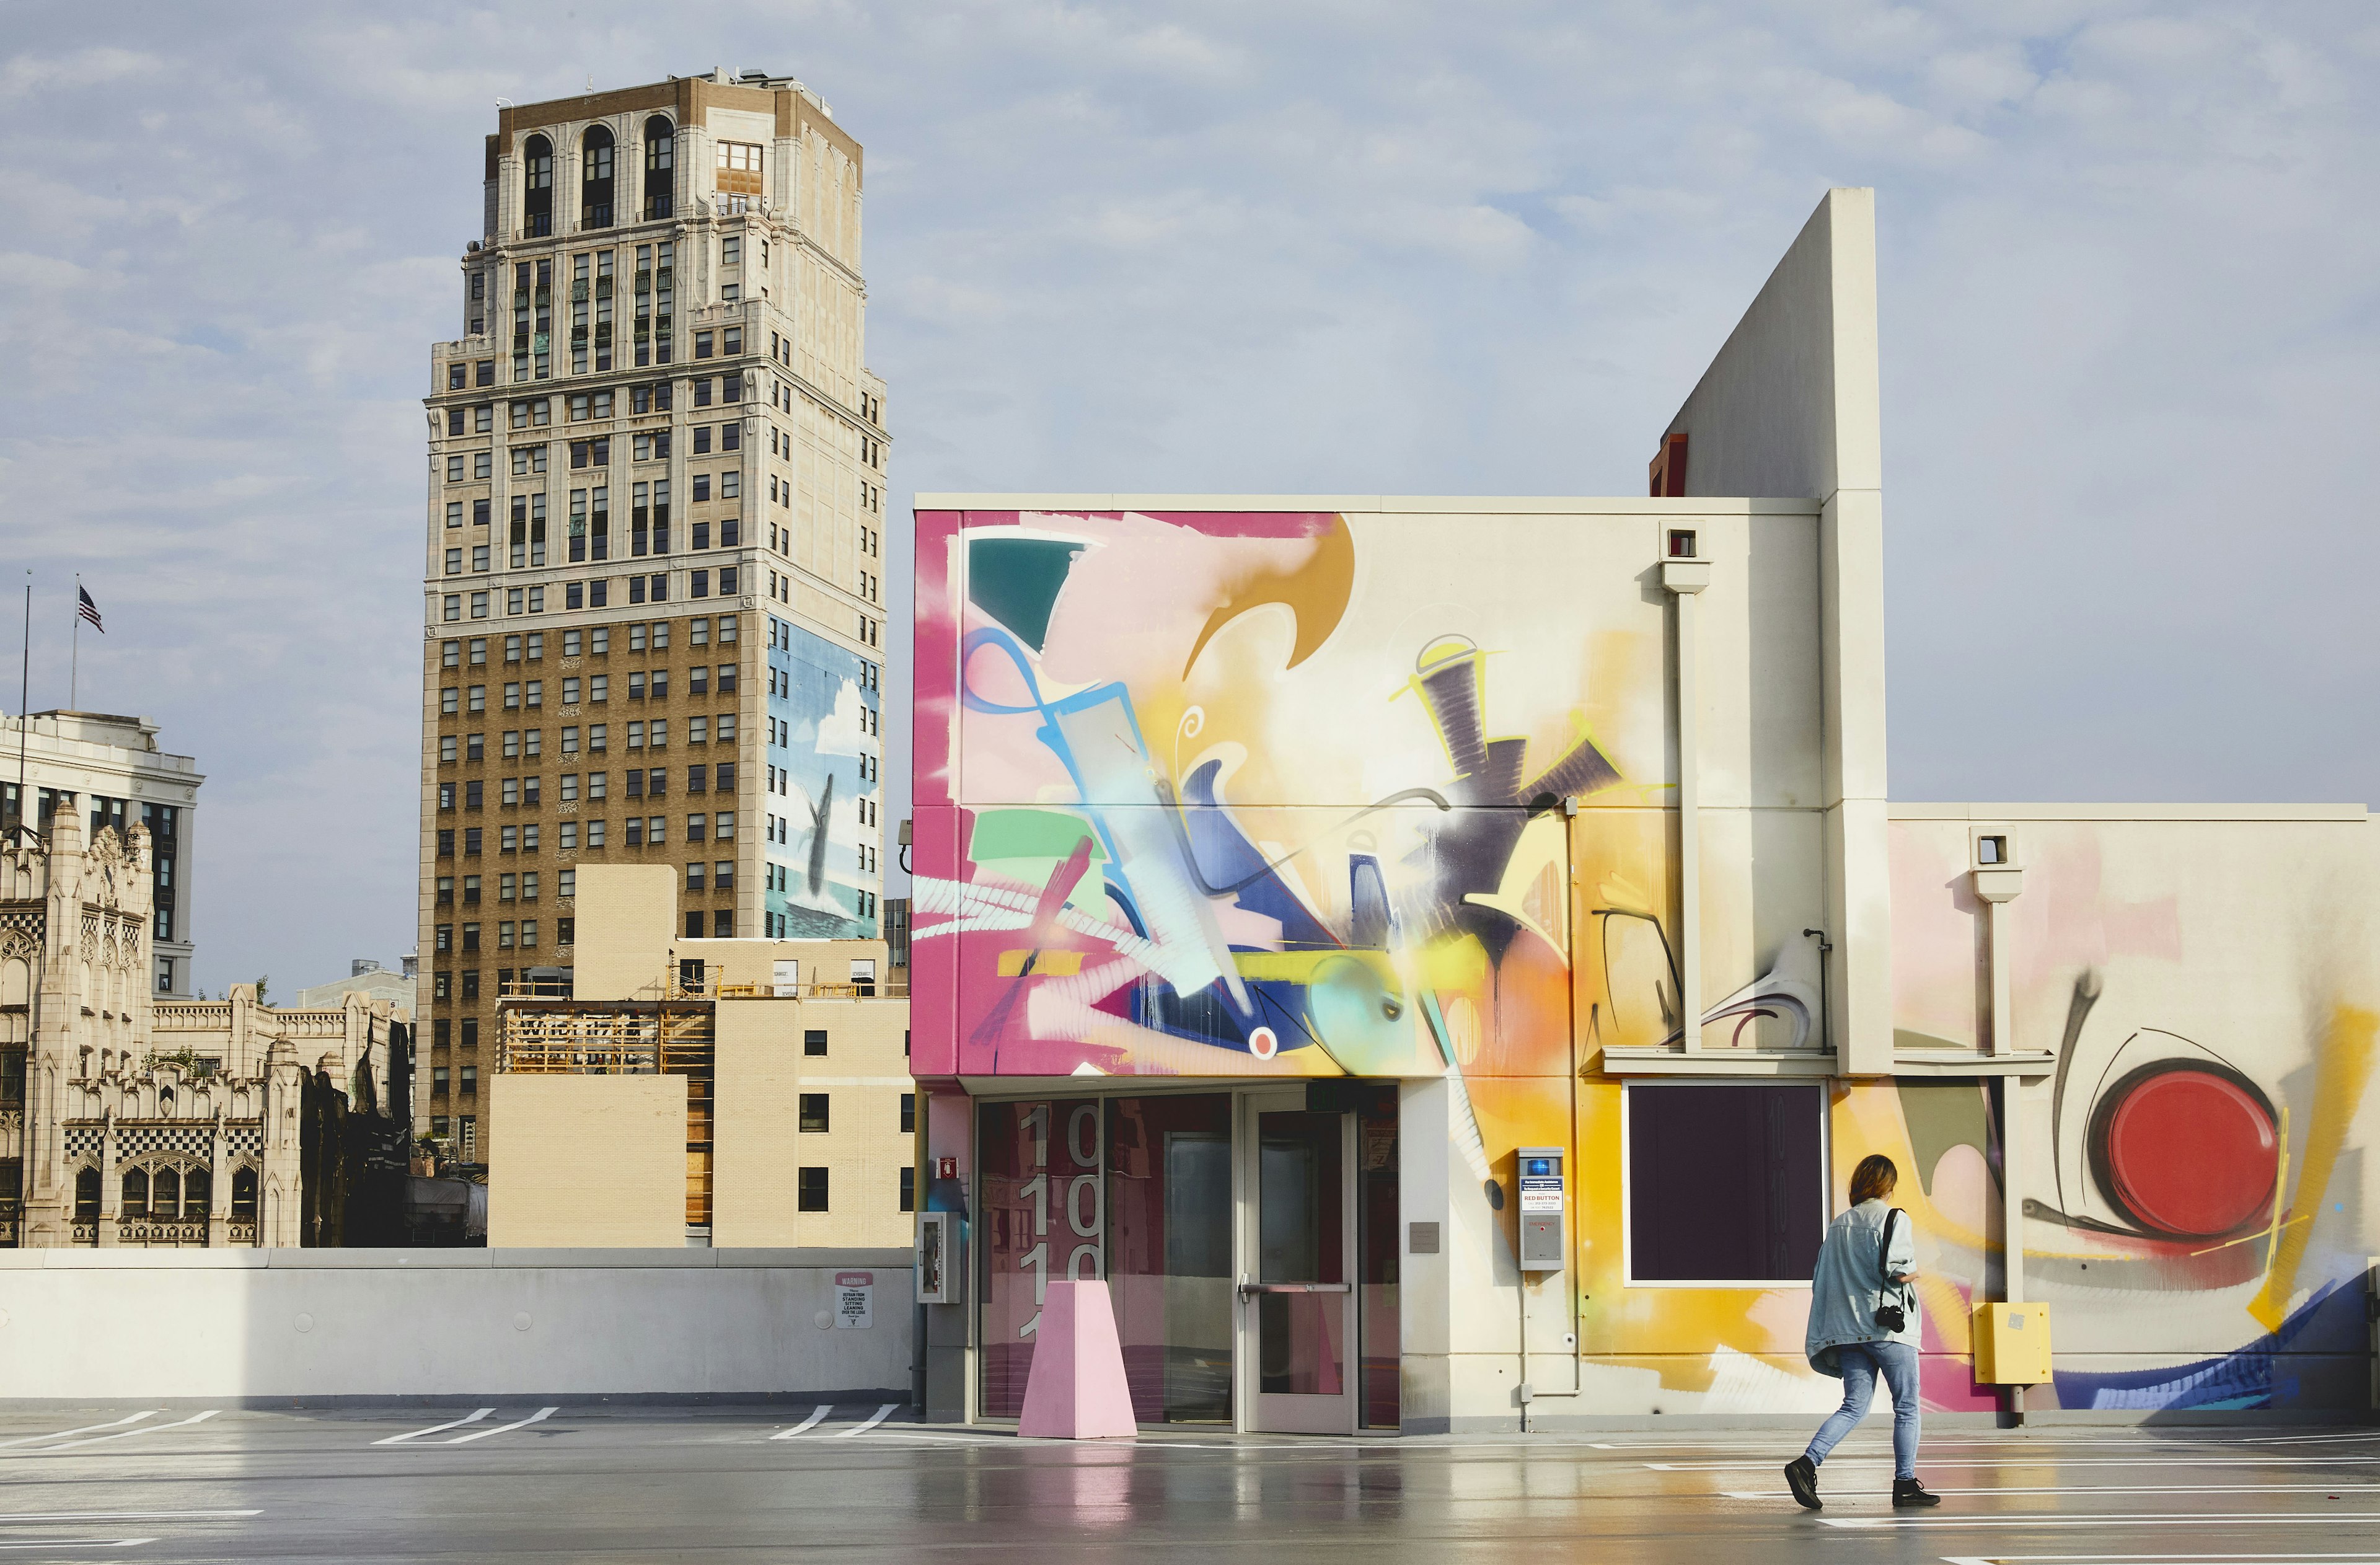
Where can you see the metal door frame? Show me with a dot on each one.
(1254, 1412)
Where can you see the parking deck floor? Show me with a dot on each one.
(498, 1482)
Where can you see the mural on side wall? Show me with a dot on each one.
(2195, 1177)
(822, 788)
(1281, 795)
(1170, 869)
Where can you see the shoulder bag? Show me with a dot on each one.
(1889, 1316)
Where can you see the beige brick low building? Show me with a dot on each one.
(732, 1092)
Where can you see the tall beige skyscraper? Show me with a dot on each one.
(652, 620)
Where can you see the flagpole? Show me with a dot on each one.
(24, 689)
(74, 658)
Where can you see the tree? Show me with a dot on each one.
(261, 981)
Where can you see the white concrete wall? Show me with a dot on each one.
(1790, 407)
(229, 1323)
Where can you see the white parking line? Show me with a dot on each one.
(435, 1429)
(2133, 1519)
(818, 1415)
(539, 1416)
(2153, 1559)
(50, 1516)
(878, 1417)
(78, 1543)
(2166, 1459)
(128, 1434)
(62, 1434)
(2358, 1489)
(2224, 1558)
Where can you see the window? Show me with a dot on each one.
(722, 875)
(908, 1113)
(810, 1193)
(909, 1189)
(737, 177)
(595, 178)
(1726, 1181)
(814, 1113)
(536, 204)
(814, 1043)
(661, 145)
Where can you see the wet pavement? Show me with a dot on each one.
(553, 1482)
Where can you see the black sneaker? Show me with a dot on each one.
(1909, 1492)
(1802, 1477)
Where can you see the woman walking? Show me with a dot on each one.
(1863, 1323)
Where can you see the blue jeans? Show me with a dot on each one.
(1861, 1362)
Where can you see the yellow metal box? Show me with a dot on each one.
(2011, 1344)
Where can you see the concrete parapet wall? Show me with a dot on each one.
(317, 1324)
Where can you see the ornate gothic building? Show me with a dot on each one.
(130, 1121)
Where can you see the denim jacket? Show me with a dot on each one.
(1848, 1284)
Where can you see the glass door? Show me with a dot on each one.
(1297, 1319)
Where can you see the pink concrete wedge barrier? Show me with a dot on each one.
(1076, 1390)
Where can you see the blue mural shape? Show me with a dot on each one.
(820, 789)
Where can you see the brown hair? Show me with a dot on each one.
(1874, 1176)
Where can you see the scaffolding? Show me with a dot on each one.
(668, 1037)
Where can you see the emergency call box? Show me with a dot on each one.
(941, 1271)
(1544, 1207)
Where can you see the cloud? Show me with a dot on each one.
(2128, 334)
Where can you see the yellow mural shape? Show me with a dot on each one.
(1315, 593)
(2346, 1069)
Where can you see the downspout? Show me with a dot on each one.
(1685, 577)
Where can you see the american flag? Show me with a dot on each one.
(89, 611)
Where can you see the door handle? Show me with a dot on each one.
(1250, 1288)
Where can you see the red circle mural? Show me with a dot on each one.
(2188, 1151)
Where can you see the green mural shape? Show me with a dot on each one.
(1029, 833)
(1016, 581)
(1943, 1114)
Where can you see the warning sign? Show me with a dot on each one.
(1541, 1192)
(855, 1294)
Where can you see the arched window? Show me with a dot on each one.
(243, 1195)
(595, 178)
(197, 1195)
(86, 1195)
(135, 1194)
(166, 1194)
(537, 188)
(660, 159)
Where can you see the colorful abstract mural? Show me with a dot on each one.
(1216, 813)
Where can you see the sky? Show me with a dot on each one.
(2129, 297)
